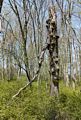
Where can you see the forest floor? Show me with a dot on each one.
(37, 104)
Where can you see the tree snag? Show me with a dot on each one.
(52, 42)
(52, 47)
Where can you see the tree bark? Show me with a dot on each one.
(53, 51)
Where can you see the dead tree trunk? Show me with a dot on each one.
(53, 51)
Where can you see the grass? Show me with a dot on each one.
(36, 103)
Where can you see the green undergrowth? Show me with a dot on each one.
(37, 104)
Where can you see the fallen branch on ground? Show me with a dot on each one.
(41, 59)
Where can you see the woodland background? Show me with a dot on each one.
(22, 39)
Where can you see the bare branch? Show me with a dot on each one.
(41, 59)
